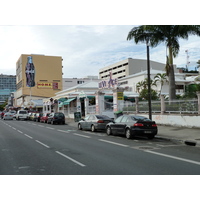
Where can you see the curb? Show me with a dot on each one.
(186, 142)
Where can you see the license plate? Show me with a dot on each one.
(147, 131)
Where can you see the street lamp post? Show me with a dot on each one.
(149, 80)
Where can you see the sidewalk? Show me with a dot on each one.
(189, 136)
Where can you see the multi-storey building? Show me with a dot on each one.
(7, 86)
(71, 82)
(46, 76)
(128, 67)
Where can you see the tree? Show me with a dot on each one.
(144, 84)
(144, 94)
(161, 78)
(153, 35)
(198, 62)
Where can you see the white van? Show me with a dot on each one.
(22, 114)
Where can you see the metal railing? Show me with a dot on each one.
(178, 106)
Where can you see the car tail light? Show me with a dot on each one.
(154, 125)
(100, 121)
(138, 124)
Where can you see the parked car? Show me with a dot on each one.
(132, 125)
(8, 115)
(13, 112)
(31, 116)
(56, 118)
(37, 117)
(22, 114)
(44, 117)
(94, 122)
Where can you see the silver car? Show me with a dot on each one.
(8, 116)
(94, 122)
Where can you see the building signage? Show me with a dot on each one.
(120, 96)
(46, 85)
(110, 83)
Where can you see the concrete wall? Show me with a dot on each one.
(176, 120)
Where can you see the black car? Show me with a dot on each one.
(56, 118)
(132, 125)
(94, 122)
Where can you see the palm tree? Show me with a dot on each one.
(161, 78)
(198, 62)
(153, 35)
(144, 84)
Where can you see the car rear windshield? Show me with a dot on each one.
(22, 112)
(102, 117)
(59, 114)
(140, 118)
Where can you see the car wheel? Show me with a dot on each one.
(93, 128)
(128, 133)
(79, 127)
(108, 130)
(150, 137)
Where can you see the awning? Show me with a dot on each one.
(67, 102)
(62, 99)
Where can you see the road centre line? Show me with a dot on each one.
(28, 136)
(62, 131)
(75, 161)
(81, 135)
(123, 145)
(14, 128)
(174, 157)
(42, 143)
(19, 131)
(50, 128)
(40, 125)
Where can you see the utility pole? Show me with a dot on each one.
(149, 81)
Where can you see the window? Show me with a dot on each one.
(80, 82)
(119, 119)
(124, 119)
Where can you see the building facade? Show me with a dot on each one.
(71, 82)
(128, 67)
(45, 75)
(130, 82)
(7, 86)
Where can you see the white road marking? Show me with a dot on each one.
(62, 131)
(42, 143)
(41, 125)
(82, 135)
(14, 128)
(174, 157)
(19, 131)
(50, 128)
(75, 161)
(28, 136)
(123, 145)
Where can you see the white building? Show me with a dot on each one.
(128, 67)
(71, 82)
(131, 81)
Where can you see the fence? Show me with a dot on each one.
(179, 106)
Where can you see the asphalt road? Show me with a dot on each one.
(32, 148)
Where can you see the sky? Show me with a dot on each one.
(84, 48)
(87, 35)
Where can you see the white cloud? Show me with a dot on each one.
(84, 49)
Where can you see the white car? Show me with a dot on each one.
(22, 114)
(8, 116)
